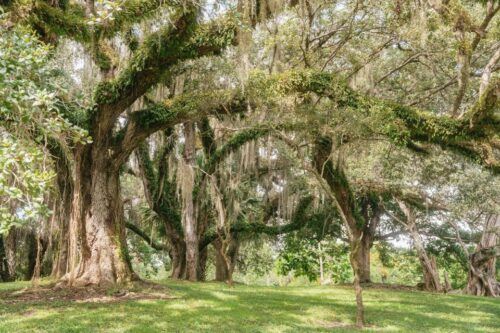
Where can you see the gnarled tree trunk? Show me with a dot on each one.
(98, 254)
(482, 263)
(431, 273)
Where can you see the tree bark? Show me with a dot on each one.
(363, 258)
(429, 267)
(221, 273)
(98, 253)
(41, 248)
(4, 264)
(178, 256)
(32, 254)
(431, 273)
(224, 269)
(10, 251)
(482, 263)
(355, 248)
(189, 220)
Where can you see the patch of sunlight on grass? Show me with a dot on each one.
(213, 307)
(222, 296)
(275, 328)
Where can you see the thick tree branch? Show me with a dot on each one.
(71, 20)
(147, 239)
(161, 50)
(185, 107)
(472, 135)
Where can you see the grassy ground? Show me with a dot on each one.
(213, 307)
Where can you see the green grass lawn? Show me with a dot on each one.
(213, 307)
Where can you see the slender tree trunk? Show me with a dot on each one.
(360, 309)
(31, 241)
(321, 270)
(98, 253)
(221, 273)
(10, 251)
(41, 247)
(202, 264)
(189, 220)
(178, 260)
(431, 273)
(4, 264)
(482, 263)
(225, 259)
(340, 192)
(363, 258)
(371, 211)
(429, 267)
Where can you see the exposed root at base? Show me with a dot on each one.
(140, 290)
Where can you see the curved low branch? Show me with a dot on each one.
(147, 239)
(472, 135)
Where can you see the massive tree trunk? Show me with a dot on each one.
(482, 263)
(98, 253)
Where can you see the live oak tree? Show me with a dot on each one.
(97, 250)
(331, 94)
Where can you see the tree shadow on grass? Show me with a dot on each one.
(216, 308)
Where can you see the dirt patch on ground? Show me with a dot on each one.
(54, 293)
